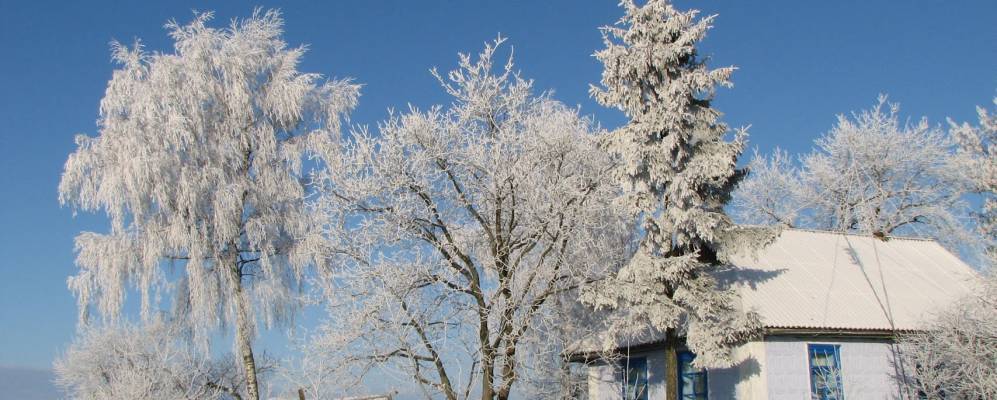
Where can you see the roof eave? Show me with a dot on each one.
(798, 332)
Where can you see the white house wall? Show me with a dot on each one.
(776, 369)
(866, 369)
(787, 371)
(604, 379)
(604, 382)
(744, 380)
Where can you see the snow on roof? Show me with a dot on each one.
(825, 280)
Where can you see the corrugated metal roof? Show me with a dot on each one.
(826, 280)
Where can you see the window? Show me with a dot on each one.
(634, 378)
(692, 380)
(825, 372)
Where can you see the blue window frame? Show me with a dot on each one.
(692, 381)
(634, 378)
(825, 372)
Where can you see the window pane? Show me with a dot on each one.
(692, 381)
(700, 384)
(825, 372)
(635, 379)
(822, 360)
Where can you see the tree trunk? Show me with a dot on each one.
(243, 337)
(246, 352)
(671, 368)
(487, 361)
(487, 380)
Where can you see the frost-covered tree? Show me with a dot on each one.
(456, 231)
(773, 194)
(198, 165)
(153, 361)
(869, 174)
(956, 358)
(677, 170)
(979, 145)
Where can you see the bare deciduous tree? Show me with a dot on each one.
(979, 145)
(199, 166)
(773, 194)
(870, 174)
(154, 361)
(455, 233)
(956, 358)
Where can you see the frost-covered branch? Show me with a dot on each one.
(956, 358)
(454, 230)
(155, 361)
(870, 174)
(198, 164)
(978, 144)
(677, 169)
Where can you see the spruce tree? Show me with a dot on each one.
(678, 170)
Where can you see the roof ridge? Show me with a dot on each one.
(865, 235)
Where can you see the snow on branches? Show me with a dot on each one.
(456, 230)
(677, 171)
(198, 164)
(870, 174)
(956, 358)
(152, 361)
(978, 144)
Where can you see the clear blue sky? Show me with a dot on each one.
(801, 62)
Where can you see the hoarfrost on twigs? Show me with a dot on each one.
(198, 164)
(458, 233)
(677, 170)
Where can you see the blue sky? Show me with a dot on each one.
(800, 64)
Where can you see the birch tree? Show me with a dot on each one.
(198, 165)
(455, 232)
(677, 171)
(872, 174)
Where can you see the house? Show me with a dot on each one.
(831, 304)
